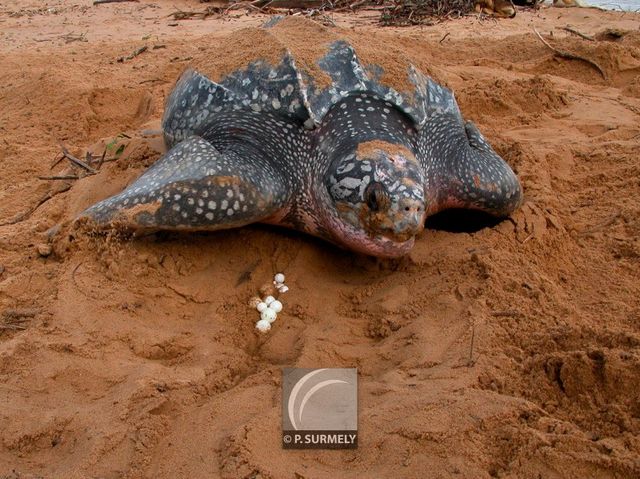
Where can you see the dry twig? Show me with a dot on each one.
(580, 34)
(20, 217)
(59, 177)
(101, 162)
(100, 2)
(16, 319)
(527, 239)
(135, 53)
(74, 37)
(207, 12)
(76, 161)
(571, 56)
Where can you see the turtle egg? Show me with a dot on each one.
(279, 278)
(268, 315)
(263, 326)
(283, 289)
(276, 306)
(254, 302)
(269, 300)
(261, 306)
(267, 290)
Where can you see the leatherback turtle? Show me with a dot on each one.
(325, 145)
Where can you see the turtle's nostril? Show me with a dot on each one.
(413, 207)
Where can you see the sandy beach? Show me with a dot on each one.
(494, 349)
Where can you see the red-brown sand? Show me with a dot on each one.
(510, 350)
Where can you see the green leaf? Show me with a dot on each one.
(119, 150)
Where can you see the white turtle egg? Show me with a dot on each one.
(283, 289)
(268, 315)
(263, 326)
(279, 278)
(261, 306)
(269, 299)
(276, 306)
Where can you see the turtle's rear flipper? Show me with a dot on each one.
(462, 169)
(195, 187)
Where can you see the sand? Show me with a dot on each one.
(495, 349)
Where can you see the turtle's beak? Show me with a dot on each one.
(409, 219)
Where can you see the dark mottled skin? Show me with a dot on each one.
(355, 163)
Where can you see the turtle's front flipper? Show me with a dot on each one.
(195, 187)
(461, 168)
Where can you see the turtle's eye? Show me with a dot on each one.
(376, 197)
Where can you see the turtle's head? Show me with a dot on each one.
(377, 194)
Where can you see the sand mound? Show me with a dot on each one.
(507, 349)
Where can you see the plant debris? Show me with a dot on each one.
(423, 12)
(135, 53)
(392, 12)
(17, 319)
